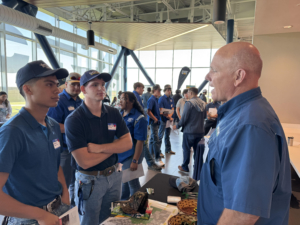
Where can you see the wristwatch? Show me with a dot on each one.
(134, 161)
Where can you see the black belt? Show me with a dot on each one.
(107, 172)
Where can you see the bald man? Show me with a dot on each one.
(245, 178)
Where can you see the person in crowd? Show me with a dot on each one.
(95, 134)
(211, 121)
(192, 123)
(154, 122)
(117, 105)
(134, 117)
(209, 100)
(180, 104)
(106, 100)
(138, 91)
(33, 189)
(203, 97)
(5, 107)
(145, 98)
(165, 102)
(176, 98)
(114, 102)
(69, 100)
(245, 177)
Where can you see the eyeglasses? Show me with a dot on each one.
(75, 78)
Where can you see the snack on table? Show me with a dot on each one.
(181, 219)
(188, 206)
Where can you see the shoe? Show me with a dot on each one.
(154, 167)
(160, 163)
(162, 155)
(171, 152)
(182, 170)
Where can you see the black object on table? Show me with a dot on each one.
(198, 159)
(162, 188)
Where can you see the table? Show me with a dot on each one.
(198, 159)
(162, 188)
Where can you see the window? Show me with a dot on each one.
(82, 64)
(18, 31)
(132, 77)
(50, 19)
(163, 77)
(147, 58)
(80, 50)
(164, 58)
(67, 61)
(142, 78)
(19, 53)
(201, 58)
(198, 76)
(64, 43)
(176, 73)
(182, 58)
(95, 65)
(41, 55)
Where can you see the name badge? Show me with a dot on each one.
(112, 126)
(56, 143)
(71, 108)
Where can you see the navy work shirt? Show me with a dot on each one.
(31, 158)
(167, 103)
(138, 98)
(82, 127)
(152, 104)
(137, 132)
(247, 168)
(65, 106)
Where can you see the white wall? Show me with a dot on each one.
(280, 81)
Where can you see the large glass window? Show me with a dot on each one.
(64, 43)
(198, 76)
(82, 64)
(19, 53)
(142, 78)
(132, 77)
(164, 58)
(163, 77)
(80, 50)
(201, 58)
(67, 61)
(147, 58)
(182, 58)
(18, 31)
(50, 19)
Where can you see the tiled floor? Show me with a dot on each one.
(172, 162)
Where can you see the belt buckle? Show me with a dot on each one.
(108, 171)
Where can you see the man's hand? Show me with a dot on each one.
(65, 198)
(49, 219)
(133, 166)
(93, 148)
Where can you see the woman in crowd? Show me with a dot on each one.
(136, 122)
(5, 107)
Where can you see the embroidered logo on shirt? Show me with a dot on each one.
(130, 120)
(71, 108)
(112, 126)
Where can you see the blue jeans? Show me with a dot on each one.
(154, 146)
(69, 172)
(189, 140)
(130, 187)
(96, 207)
(164, 131)
(19, 221)
(149, 158)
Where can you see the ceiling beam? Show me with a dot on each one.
(166, 3)
(116, 9)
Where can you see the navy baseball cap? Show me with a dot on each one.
(92, 74)
(37, 69)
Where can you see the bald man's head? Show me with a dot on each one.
(235, 68)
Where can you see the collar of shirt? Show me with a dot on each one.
(69, 97)
(237, 101)
(89, 114)
(32, 121)
(132, 112)
(166, 97)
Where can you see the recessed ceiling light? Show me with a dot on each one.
(287, 27)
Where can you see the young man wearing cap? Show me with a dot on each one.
(90, 133)
(154, 121)
(203, 97)
(32, 184)
(69, 100)
(166, 102)
(138, 91)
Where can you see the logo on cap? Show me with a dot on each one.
(44, 65)
(94, 72)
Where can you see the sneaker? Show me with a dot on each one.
(160, 163)
(154, 167)
(162, 155)
(171, 152)
(182, 170)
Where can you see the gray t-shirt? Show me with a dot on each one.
(180, 104)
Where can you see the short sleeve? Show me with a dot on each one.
(161, 103)
(250, 170)
(11, 145)
(178, 103)
(140, 130)
(150, 104)
(121, 125)
(75, 134)
(57, 113)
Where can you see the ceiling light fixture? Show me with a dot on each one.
(287, 27)
(219, 11)
(90, 36)
(172, 37)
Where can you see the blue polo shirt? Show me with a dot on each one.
(247, 168)
(138, 98)
(30, 158)
(152, 104)
(82, 127)
(137, 132)
(167, 103)
(65, 106)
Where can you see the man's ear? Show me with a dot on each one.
(239, 77)
(27, 89)
(82, 88)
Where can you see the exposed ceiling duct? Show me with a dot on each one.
(19, 19)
